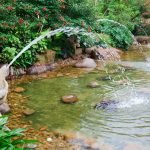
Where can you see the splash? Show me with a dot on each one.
(132, 102)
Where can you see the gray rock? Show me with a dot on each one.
(4, 108)
(86, 63)
(37, 69)
(68, 99)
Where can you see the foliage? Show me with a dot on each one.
(11, 139)
(23, 21)
(120, 35)
(126, 12)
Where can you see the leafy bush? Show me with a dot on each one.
(23, 21)
(126, 12)
(120, 34)
(11, 139)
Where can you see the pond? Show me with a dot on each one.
(129, 122)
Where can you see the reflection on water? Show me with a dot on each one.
(128, 123)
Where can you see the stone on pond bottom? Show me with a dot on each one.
(19, 89)
(28, 112)
(93, 84)
(68, 99)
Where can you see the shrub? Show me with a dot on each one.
(120, 34)
(11, 139)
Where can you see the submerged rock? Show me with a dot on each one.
(19, 89)
(107, 104)
(28, 112)
(4, 108)
(86, 63)
(93, 84)
(68, 99)
(105, 78)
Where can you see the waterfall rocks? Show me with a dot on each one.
(69, 99)
(93, 84)
(86, 63)
(4, 108)
(107, 105)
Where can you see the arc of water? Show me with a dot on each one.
(68, 30)
(47, 34)
(32, 43)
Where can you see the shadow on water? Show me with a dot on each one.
(129, 122)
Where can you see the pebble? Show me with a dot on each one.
(19, 89)
(28, 112)
(69, 99)
(49, 139)
(31, 146)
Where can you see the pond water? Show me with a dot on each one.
(128, 122)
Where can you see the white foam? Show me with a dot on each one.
(132, 102)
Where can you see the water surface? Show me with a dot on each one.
(128, 122)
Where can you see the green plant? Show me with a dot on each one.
(8, 53)
(127, 12)
(121, 36)
(21, 22)
(11, 139)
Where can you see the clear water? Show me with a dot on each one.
(129, 122)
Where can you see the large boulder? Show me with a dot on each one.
(37, 69)
(68, 99)
(100, 53)
(86, 63)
